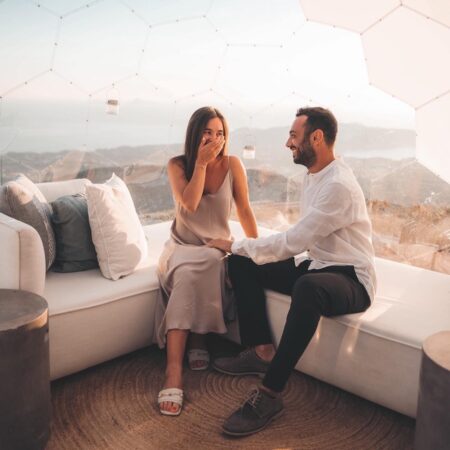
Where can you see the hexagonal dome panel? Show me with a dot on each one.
(237, 22)
(321, 71)
(52, 121)
(62, 7)
(144, 114)
(438, 10)
(240, 80)
(166, 11)
(354, 15)
(27, 36)
(433, 136)
(411, 64)
(100, 45)
(183, 57)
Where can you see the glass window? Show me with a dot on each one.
(91, 89)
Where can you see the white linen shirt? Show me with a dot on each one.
(334, 228)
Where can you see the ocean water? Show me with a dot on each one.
(393, 153)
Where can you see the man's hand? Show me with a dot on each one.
(221, 244)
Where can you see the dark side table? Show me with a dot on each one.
(433, 409)
(24, 371)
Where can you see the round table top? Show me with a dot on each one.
(437, 348)
(19, 308)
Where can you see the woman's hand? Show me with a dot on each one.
(209, 150)
(221, 244)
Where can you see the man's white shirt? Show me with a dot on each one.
(334, 228)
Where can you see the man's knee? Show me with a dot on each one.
(305, 294)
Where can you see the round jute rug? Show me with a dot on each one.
(113, 406)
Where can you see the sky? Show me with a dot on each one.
(257, 60)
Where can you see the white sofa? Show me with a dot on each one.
(375, 355)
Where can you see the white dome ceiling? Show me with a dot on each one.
(256, 60)
(407, 52)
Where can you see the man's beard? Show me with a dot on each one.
(306, 154)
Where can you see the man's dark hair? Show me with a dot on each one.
(320, 119)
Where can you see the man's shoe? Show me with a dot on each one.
(246, 363)
(255, 414)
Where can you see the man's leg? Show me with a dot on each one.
(249, 281)
(314, 294)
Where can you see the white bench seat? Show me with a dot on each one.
(375, 355)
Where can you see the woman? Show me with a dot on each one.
(194, 298)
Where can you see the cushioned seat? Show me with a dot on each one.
(375, 355)
(93, 290)
(410, 305)
(108, 317)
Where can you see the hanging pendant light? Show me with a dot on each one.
(249, 152)
(112, 106)
(112, 102)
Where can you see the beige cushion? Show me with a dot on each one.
(23, 201)
(117, 232)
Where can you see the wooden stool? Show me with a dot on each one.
(24, 371)
(433, 409)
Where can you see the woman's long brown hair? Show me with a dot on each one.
(194, 133)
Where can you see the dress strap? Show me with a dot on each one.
(230, 173)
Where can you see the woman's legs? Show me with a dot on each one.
(176, 344)
(197, 341)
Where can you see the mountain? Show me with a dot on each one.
(272, 174)
(352, 137)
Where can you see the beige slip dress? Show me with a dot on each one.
(193, 292)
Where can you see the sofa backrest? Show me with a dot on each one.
(54, 189)
(22, 262)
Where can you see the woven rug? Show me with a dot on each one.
(113, 406)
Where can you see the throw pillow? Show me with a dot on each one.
(22, 200)
(117, 232)
(75, 250)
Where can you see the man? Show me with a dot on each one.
(334, 276)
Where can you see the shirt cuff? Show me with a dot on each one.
(236, 247)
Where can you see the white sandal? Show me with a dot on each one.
(172, 395)
(200, 355)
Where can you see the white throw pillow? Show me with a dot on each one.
(117, 232)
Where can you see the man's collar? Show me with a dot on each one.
(323, 171)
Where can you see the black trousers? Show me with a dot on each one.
(330, 291)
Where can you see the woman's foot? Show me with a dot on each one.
(173, 396)
(170, 403)
(198, 359)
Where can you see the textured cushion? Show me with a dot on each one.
(23, 201)
(116, 229)
(75, 250)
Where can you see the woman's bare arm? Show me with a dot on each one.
(241, 198)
